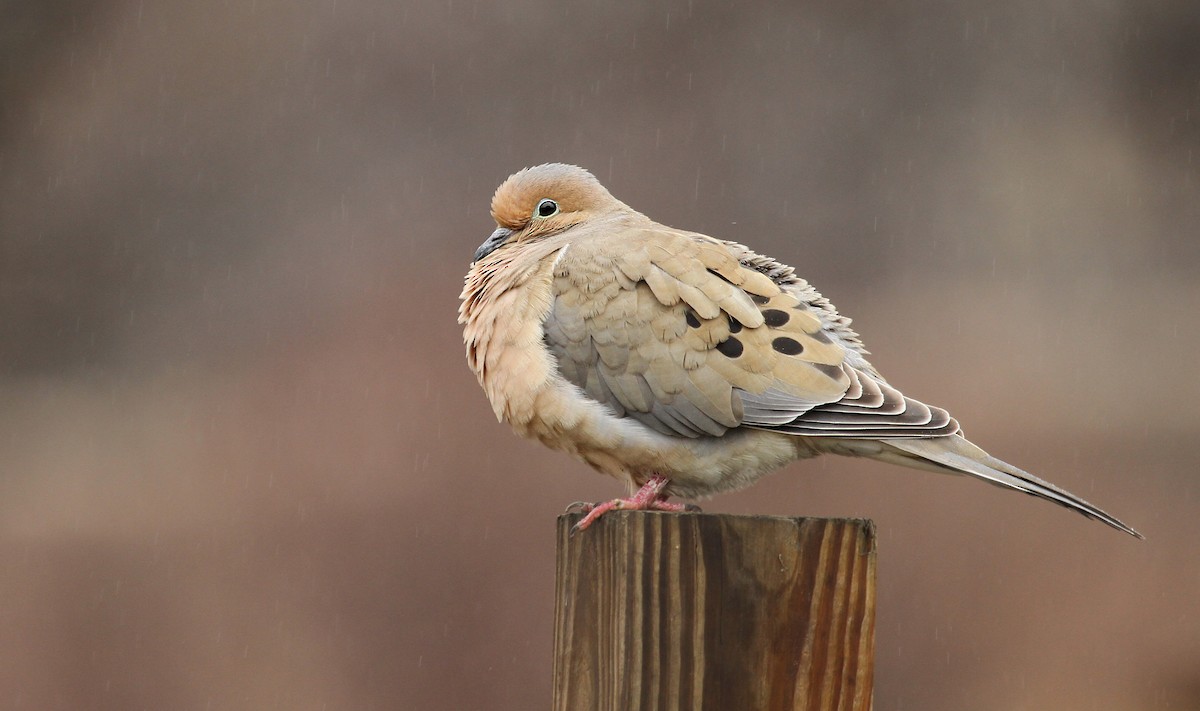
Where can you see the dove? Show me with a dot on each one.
(682, 364)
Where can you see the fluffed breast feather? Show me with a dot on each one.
(504, 302)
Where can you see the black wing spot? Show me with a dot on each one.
(833, 371)
(720, 276)
(776, 318)
(730, 348)
(760, 300)
(787, 346)
(692, 320)
(735, 326)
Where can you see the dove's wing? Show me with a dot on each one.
(693, 336)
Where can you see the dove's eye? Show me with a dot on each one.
(546, 208)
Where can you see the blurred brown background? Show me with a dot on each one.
(243, 464)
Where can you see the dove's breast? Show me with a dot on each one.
(505, 301)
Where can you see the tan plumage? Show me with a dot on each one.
(645, 350)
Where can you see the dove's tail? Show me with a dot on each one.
(957, 455)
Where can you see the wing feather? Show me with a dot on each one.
(693, 336)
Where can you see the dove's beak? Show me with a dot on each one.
(499, 237)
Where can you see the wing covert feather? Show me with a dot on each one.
(692, 338)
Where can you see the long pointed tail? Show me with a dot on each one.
(957, 455)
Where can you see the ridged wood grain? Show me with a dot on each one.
(698, 611)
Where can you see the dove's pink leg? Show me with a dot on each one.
(647, 498)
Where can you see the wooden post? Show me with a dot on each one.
(659, 611)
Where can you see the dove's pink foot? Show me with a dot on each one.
(647, 498)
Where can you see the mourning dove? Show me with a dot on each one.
(679, 363)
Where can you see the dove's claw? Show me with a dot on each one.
(647, 498)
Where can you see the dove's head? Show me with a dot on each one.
(544, 200)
